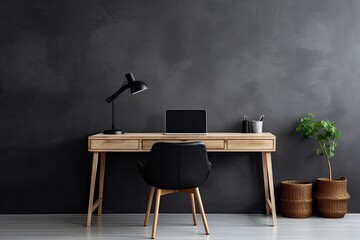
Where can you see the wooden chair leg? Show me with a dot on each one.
(193, 208)
(148, 209)
(201, 208)
(156, 213)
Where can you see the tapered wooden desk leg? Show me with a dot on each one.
(92, 187)
(271, 187)
(101, 181)
(266, 182)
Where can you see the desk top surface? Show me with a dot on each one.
(148, 135)
(215, 142)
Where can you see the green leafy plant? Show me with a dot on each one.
(324, 132)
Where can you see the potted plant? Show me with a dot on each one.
(331, 194)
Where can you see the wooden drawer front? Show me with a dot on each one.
(210, 144)
(249, 144)
(114, 144)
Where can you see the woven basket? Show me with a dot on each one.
(331, 197)
(296, 199)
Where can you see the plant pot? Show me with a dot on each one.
(331, 197)
(296, 199)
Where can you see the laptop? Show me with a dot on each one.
(185, 122)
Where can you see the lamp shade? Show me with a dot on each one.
(137, 87)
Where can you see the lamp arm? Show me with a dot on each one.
(117, 93)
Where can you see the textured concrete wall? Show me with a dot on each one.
(60, 60)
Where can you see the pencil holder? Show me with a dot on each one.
(256, 126)
(245, 126)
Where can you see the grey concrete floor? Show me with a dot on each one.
(176, 226)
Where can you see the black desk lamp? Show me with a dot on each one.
(135, 87)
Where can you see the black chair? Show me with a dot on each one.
(175, 167)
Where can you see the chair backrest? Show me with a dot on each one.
(177, 165)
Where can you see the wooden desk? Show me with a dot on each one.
(215, 142)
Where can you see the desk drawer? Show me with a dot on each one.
(210, 144)
(251, 144)
(108, 144)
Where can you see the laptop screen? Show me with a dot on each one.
(185, 121)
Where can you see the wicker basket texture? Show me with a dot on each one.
(332, 197)
(296, 199)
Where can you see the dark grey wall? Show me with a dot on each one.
(60, 60)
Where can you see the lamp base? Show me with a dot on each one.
(113, 131)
